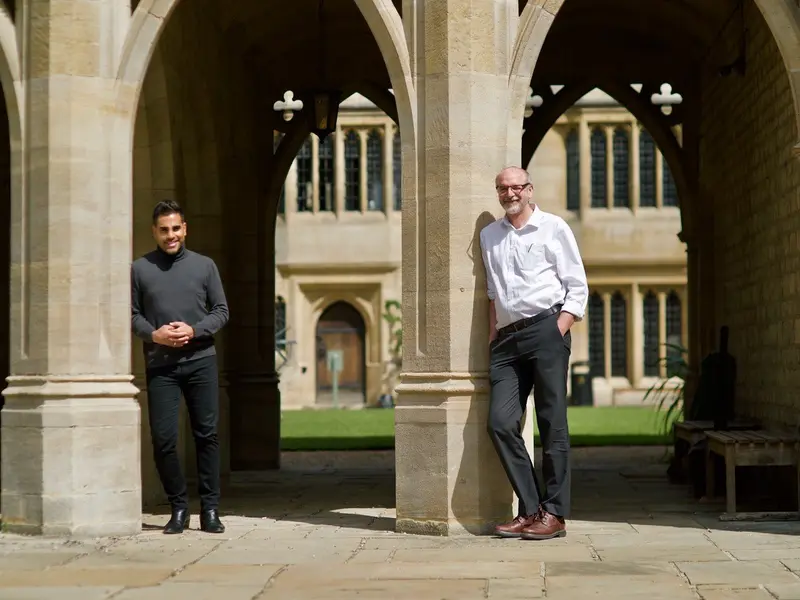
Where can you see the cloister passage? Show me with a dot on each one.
(115, 104)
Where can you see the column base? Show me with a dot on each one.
(449, 480)
(255, 409)
(71, 456)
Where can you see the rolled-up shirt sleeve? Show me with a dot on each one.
(490, 289)
(570, 270)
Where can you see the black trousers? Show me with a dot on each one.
(535, 357)
(199, 382)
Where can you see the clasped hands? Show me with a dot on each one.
(174, 334)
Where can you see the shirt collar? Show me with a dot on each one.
(534, 220)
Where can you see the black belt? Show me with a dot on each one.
(528, 321)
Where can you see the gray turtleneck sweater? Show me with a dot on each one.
(182, 287)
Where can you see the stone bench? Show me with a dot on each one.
(749, 448)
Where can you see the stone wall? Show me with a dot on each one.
(749, 175)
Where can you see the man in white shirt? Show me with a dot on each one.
(537, 289)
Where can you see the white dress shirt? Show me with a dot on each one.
(531, 269)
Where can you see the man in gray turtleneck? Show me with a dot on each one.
(178, 304)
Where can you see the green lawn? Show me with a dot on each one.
(373, 429)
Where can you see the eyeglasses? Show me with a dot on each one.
(502, 189)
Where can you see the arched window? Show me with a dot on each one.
(621, 157)
(674, 327)
(647, 170)
(374, 171)
(352, 171)
(619, 336)
(651, 335)
(397, 172)
(597, 342)
(304, 177)
(280, 321)
(598, 151)
(326, 174)
(670, 189)
(573, 171)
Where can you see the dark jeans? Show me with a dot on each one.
(198, 381)
(535, 357)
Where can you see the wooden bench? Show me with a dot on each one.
(749, 448)
(694, 432)
(690, 449)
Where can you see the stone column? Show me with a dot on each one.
(609, 133)
(388, 170)
(5, 256)
(339, 172)
(636, 335)
(607, 337)
(71, 426)
(253, 381)
(315, 183)
(659, 179)
(662, 332)
(448, 477)
(362, 170)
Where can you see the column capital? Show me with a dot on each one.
(48, 387)
(453, 384)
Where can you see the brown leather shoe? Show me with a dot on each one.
(544, 527)
(514, 528)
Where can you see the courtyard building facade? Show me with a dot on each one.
(112, 105)
(339, 253)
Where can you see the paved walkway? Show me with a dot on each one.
(315, 532)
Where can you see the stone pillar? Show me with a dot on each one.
(388, 170)
(448, 477)
(609, 133)
(636, 335)
(659, 179)
(252, 380)
(5, 256)
(362, 170)
(693, 323)
(71, 425)
(607, 337)
(662, 333)
(339, 172)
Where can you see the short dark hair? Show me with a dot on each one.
(167, 207)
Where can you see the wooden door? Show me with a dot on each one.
(341, 328)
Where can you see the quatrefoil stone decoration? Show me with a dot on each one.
(288, 105)
(531, 102)
(666, 99)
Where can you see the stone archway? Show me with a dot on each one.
(151, 16)
(783, 22)
(741, 164)
(249, 356)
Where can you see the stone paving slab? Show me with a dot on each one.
(714, 593)
(314, 532)
(789, 591)
(50, 593)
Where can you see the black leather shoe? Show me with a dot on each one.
(178, 522)
(210, 523)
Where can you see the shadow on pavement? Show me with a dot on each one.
(615, 489)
